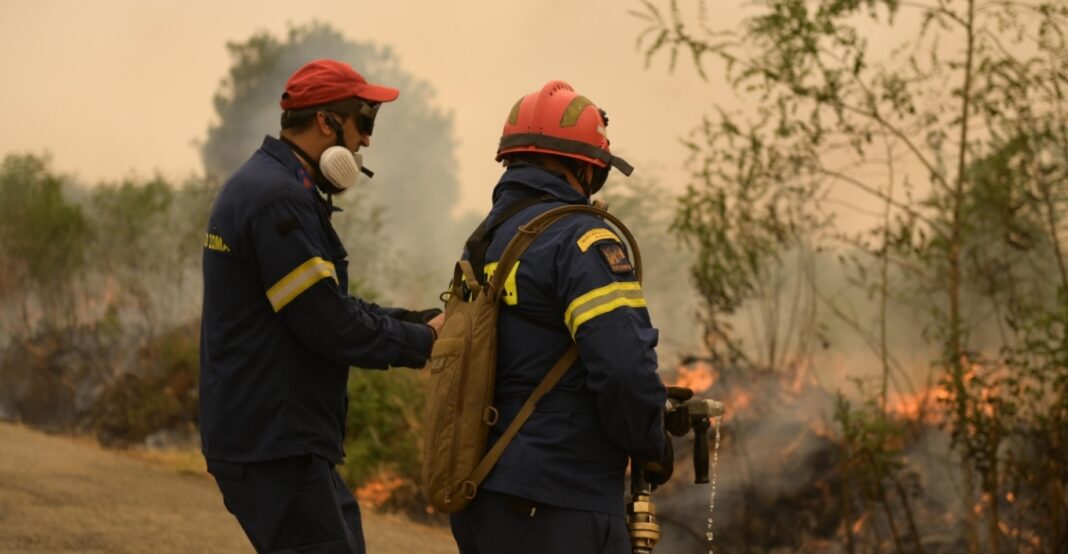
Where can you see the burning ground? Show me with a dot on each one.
(796, 475)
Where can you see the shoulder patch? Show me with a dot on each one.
(616, 258)
(586, 240)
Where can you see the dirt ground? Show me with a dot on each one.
(62, 494)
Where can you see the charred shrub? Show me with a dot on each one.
(160, 395)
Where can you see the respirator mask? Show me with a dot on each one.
(341, 167)
(338, 165)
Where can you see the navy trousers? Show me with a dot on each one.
(496, 523)
(291, 505)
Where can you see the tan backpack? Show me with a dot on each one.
(463, 371)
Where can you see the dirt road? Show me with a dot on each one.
(63, 495)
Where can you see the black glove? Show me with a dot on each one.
(657, 472)
(678, 422)
(419, 316)
(682, 394)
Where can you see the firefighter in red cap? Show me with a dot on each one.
(280, 329)
(559, 485)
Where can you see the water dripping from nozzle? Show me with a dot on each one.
(709, 535)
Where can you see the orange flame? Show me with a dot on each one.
(378, 491)
(699, 378)
(917, 407)
(859, 523)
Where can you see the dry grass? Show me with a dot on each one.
(182, 461)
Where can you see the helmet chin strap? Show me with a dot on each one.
(578, 170)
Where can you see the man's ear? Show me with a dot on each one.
(324, 122)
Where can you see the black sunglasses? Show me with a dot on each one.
(365, 117)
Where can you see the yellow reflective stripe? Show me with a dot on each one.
(299, 280)
(593, 236)
(511, 293)
(601, 301)
(573, 111)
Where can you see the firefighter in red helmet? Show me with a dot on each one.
(559, 485)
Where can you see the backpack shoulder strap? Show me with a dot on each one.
(480, 238)
(535, 227)
(562, 365)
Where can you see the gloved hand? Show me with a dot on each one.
(682, 394)
(426, 317)
(419, 316)
(657, 472)
(677, 421)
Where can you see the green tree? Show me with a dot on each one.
(151, 234)
(43, 237)
(385, 426)
(130, 253)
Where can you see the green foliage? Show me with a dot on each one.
(384, 425)
(97, 276)
(128, 217)
(42, 234)
(1033, 409)
(873, 466)
(150, 241)
(874, 444)
(748, 206)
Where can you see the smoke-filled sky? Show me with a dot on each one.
(118, 87)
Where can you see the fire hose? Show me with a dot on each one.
(641, 511)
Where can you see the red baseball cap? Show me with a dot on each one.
(325, 81)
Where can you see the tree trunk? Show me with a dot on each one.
(955, 349)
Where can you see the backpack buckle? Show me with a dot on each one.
(490, 416)
(468, 488)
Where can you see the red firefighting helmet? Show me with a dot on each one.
(557, 120)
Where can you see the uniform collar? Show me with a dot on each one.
(285, 155)
(540, 180)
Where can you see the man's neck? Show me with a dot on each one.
(309, 165)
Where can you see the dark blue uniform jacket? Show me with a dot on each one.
(279, 329)
(572, 282)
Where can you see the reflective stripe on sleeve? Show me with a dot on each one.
(299, 280)
(601, 301)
